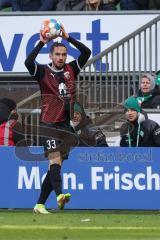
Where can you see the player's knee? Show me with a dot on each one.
(55, 158)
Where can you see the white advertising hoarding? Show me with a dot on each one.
(19, 35)
(155, 117)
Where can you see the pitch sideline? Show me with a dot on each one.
(51, 227)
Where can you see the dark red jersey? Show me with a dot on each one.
(57, 90)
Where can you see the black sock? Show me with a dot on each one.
(46, 189)
(55, 178)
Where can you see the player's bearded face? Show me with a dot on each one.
(59, 57)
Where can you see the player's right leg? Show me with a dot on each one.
(62, 199)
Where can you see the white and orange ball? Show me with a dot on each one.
(50, 28)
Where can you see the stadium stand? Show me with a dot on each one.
(78, 5)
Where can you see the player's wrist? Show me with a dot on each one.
(66, 36)
(42, 43)
(69, 38)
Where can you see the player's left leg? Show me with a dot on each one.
(46, 189)
(55, 159)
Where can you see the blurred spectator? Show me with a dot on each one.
(138, 131)
(70, 5)
(87, 132)
(157, 79)
(134, 4)
(88, 5)
(11, 132)
(152, 5)
(96, 5)
(149, 93)
(5, 4)
(34, 5)
(157, 4)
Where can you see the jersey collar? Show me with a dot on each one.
(54, 69)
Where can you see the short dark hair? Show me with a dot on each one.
(9, 103)
(56, 44)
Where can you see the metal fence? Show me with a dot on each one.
(124, 62)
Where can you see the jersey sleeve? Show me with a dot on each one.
(100, 139)
(123, 135)
(75, 66)
(35, 70)
(39, 72)
(85, 53)
(156, 135)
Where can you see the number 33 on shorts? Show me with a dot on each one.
(51, 144)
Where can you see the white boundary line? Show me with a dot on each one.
(51, 227)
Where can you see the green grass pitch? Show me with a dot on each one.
(80, 225)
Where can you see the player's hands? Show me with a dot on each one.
(63, 33)
(44, 39)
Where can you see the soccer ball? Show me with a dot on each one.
(50, 28)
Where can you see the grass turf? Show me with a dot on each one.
(78, 225)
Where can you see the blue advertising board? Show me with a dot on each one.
(97, 178)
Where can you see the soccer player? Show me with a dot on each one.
(138, 131)
(57, 85)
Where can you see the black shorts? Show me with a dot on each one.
(57, 137)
